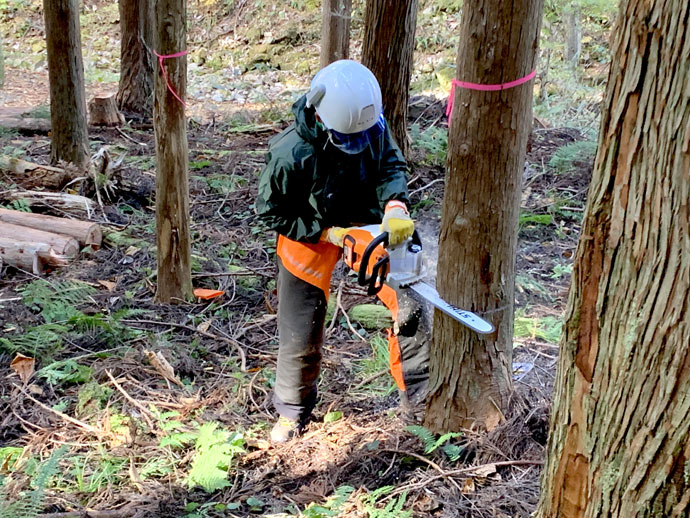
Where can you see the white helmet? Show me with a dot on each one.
(347, 98)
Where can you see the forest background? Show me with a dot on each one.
(143, 443)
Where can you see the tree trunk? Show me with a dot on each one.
(389, 29)
(2, 69)
(103, 112)
(620, 434)
(30, 175)
(335, 31)
(172, 188)
(573, 34)
(64, 246)
(135, 92)
(70, 140)
(470, 375)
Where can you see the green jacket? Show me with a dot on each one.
(309, 185)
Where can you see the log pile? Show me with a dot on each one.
(36, 242)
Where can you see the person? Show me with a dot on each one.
(335, 167)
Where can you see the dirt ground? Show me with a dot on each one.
(224, 351)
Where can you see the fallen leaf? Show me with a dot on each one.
(158, 362)
(132, 250)
(204, 294)
(23, 366)
(468, 486)
(110, 286)
(484, 471)
(204, 326)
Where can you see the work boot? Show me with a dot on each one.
(285, 429)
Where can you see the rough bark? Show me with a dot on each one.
(388, 49)
(335, 31)
(2, 71)
(30, 175)
(172, 188)
(135, 92)
(69, 140)
(620, 435)
(61, 201)
(85, 232)
(103, 112)
(572, 19)
(470, 375)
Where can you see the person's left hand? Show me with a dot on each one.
(335, 235)
(397, 222)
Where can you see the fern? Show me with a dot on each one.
(564, 158)
(215, 450)
(56, 301)
(333, 505)
(30, 505)
(431, 443)
(393, 508)
(35, 340)
(65, 371)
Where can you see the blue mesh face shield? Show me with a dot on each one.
(355, 143)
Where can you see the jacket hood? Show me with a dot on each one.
(305, 122)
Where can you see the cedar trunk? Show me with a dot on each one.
(620, 434)
(389, 29)
(335, 31)
(172, 188)
(69, 140)
(135, 92)
(470, 375)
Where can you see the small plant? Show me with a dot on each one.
(393, 508)
(377, 363)
(56, 301)
(36, 340)
(546, 328)
(431, 443)
(215, 449)
(333, 505)
(567, 156)
(30, 504)
(65, 372)
(433, 141)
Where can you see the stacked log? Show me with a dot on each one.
(34, 242)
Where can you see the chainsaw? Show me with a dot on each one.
(367, 253)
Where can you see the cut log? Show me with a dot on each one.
(58, 200)
(86, 232)
(30, 175)
(103, 112)
(23, 255)
(62, 247)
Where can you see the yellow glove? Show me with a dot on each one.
(397, 222)
(335, 235)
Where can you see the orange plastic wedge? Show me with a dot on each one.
(204, 294)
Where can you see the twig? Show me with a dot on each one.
(247, 272)
(347, 318)
(235, 343)
(144, 411)
(76, 422)
(427, 185)
(130, 138)
(90, 513)
(335, 310)
(443, 473)
(367, 381)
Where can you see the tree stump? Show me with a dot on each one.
(103, 112)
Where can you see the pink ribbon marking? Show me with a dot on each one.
(162, 58)
(484, 88)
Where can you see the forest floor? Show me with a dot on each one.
(101, 425)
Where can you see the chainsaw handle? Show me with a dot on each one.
(378, 271)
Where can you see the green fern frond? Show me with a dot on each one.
(428, 439)
(215, 450)
(36, 340)
(452, 451)
(564, 158)
(56, 301)
(332, 506)
(30, 504)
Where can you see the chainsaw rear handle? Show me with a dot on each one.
(379, 270)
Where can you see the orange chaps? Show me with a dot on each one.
(314, 263)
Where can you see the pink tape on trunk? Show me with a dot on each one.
(484, 88)
(162, 58)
